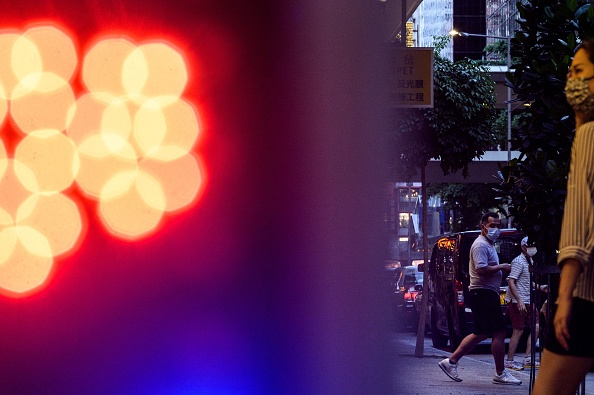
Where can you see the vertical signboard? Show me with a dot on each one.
(411, 77)
(409, 34)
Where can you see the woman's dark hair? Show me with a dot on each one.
(588, 46)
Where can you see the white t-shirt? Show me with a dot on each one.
(483, 254)
(520, 271)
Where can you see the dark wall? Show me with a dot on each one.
(469, 17)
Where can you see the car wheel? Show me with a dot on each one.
(439, 340)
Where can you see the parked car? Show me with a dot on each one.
(451, 318)
(411, 290)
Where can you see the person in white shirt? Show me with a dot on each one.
(519, 308)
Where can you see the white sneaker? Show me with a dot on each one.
(506, 378)
(450, 369)
(513, 365)
(528, 363)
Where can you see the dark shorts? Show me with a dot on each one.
(519, 320)
(486, 311)
(581, 342)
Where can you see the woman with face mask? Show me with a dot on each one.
(569, 352)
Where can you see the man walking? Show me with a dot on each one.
(485, 280)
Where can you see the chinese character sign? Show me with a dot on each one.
(411, 77)
(409, 34)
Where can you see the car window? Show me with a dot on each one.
(442, 257)
(465, 253)
(507, 247)
(412, 279)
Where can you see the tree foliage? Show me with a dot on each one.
(499, 48)
(499, 131)
(535, 184)
(457, 129)
(467, 201)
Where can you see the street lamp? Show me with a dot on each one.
(508, 39)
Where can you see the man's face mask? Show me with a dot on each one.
(493, 233)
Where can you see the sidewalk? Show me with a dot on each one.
(422, 376)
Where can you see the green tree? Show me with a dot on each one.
(496, 53)
(535, 184)
(499, 131)
(457, 129)
(499, 128)
(467, 201)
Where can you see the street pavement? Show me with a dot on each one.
(422, 376)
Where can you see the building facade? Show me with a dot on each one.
(502, 17)
(433, 18)
(470, 17)
(486, 17)
(439, 17)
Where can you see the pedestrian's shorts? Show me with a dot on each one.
(519, 320)
(581, 342)
(486, 311)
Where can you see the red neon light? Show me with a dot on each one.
(125, 140)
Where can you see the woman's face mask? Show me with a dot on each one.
(579, 96)
(531, 251)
